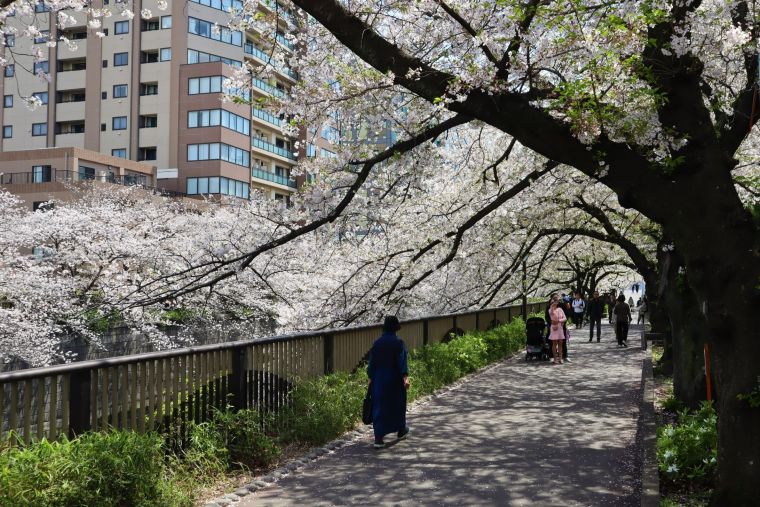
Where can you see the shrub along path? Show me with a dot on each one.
(516, 434)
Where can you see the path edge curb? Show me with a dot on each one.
(650, 480)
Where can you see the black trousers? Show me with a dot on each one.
(598, 322)
(578, 320)
(621, 330)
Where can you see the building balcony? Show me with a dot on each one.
(69, 111)
(266, 117)
(273, 178)
(271, 148)
(67, 80)
(75, 140)
(46, 174)
(267, 88)
(252, 50)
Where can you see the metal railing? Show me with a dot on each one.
(252, 50)
(50, 175)
(275, 178)
(267, 146)
(167, 390)
(267, 117)
(272, 90)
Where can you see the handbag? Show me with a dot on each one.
(367, 407)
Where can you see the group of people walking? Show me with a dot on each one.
(562, 308)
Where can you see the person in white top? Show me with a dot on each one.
(579, 306)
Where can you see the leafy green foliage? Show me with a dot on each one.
(322, 408)
(687, 450)
(115, 468)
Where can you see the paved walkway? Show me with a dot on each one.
(517, 434)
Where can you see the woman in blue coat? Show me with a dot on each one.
(389, 380)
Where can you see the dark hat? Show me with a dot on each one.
(391, 324)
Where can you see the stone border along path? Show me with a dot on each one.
(514, 433)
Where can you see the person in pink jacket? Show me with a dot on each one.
(556, 333)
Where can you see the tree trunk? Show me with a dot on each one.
(721, 247)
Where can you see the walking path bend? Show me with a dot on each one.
(515, 434)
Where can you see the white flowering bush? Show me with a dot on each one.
(687, 450)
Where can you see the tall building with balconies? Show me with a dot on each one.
(150, 89)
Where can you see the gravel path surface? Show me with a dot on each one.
(515, 434)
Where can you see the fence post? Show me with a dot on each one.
(524, 307)
(477, 321)
(238, 379)
(425, 332)
(329, 347)
(79, 402)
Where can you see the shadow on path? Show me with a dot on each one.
(518, 434)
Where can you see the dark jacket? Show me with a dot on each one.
(595, 308)
(387, 369)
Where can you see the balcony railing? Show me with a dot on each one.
(285, 42)
(50, 175)
(274, 178)
(250, 49)
(270, 118)
(264, 145)
(264, 86)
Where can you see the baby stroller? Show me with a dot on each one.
(536, 347)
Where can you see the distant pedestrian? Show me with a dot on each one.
(642, 311)
(556, 333)
(622, 319)
(389, 379)
(611, 304)
(595, 311)
(579, 306)
(630, 301)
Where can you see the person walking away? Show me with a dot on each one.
(579, 306)
(630, 302)
(595, 311)
(642, 311)
(389, 380)
(556, 333)
(622, 319)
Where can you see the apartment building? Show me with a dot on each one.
(151, 90)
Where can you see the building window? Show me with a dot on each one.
(71, 65)
(86, 173)
(148, 25)
(10, 40)
(10, 70)
(8, 101)
(216, 117)
(195, 56)
(120, 59)
(147, 153)
(7, 131)
(166, 54)
(42, 37)
(209, 84)
(119, 123)
(119, 152)
(222, 5)
(70, 96)
(41, 173)
(41, 7)
(218, 151)
(121, 27)
(70, 127)
(42, 67)
(42, 96)
(39, 129)
(148, 121)
(206, 29)
(120, 91)
(148, 88)
(166, 22)
(217, 185)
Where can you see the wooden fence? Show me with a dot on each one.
(156, 390)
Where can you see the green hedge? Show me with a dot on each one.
(110, 469)
(120, 468)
